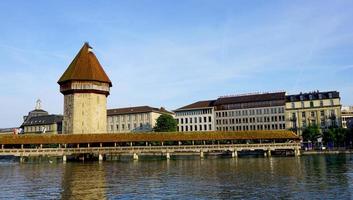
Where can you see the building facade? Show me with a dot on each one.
(198, 116)
(234, 113)
(85, 87)
(263, 111)
(347, 115)
(49, 124)
(40, 121)
(320, 108)
(133, 119)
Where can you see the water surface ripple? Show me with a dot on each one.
(314, 177)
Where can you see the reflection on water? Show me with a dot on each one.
(83, 181)
(268, 178)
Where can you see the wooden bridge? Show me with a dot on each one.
(135, 144)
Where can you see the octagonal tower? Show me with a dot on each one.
(85, 87)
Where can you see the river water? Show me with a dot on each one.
(306, 177)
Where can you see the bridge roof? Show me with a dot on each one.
(146, 137)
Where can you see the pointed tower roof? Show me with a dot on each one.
(85, 67)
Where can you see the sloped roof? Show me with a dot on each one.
(43, 120)
(137, 109)
(85, 67)
(314, 96)
(251, 98)
(146, 137)
(198, 104)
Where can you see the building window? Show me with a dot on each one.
(302, 104)
(311, 104)
(303, 114)
(293, 105)
(117, 127)
(186, 120)
(331, 101)
(182, 121)
(205, 127)
(321, 103)
(322, 113)
(209, 119)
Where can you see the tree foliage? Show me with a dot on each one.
(311, 133)
(336, 135)
(165, 123)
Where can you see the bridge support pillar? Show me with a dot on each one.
(64, 158)
(100, 157)
(297, 152)
(269, 152)
(135, 156)
(114, 144)
(201, 154)
(168, 156)
(235, 154)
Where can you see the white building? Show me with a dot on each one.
(133, 119)
(261, 111)
(198, 116)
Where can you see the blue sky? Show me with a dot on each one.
(172, 53)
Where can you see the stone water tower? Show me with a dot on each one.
(85, 87)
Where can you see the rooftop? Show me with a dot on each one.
(312, 96)
(199, 104)
(85, 67)
(251, 98)
(43, 120)
(137, 109)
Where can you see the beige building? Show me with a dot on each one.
(320, 108)
(85, 87)
(50, 124)
(133, 119)
(40, 121)
(347, 115)
(198, 116)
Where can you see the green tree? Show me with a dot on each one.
(311, 133)
(337, 135)
(165, 123)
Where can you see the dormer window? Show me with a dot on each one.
(311, 97)
(330, 95)
(320, 96)
(301, 98)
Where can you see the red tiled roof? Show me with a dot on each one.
(85, 67)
